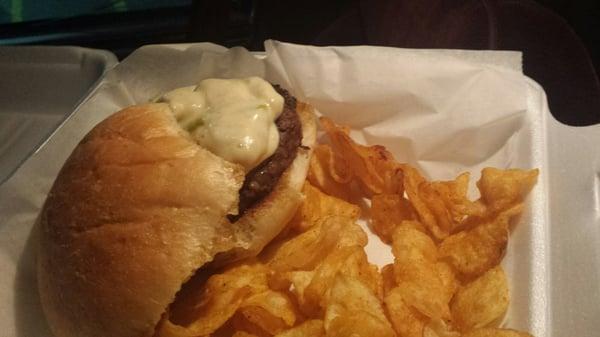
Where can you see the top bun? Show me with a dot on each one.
(136, 210)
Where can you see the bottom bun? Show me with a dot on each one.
(136, 210)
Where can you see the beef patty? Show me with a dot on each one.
(260, 180)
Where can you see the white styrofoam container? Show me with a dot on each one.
(553, 260)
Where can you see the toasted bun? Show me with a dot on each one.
(139, 207)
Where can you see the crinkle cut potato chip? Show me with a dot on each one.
(315, 279)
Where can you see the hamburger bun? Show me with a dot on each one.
(136, 210)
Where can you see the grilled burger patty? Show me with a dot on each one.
(260, 180)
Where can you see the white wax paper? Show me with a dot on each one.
(443, 111)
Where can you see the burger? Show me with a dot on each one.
(207, 174)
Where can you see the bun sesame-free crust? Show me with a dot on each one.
(136, 210)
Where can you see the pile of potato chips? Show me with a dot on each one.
(315, 278)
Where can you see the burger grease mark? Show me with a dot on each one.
(261, 180)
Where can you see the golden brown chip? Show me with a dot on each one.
(357, 266)
(358, 324)
(417, 277)
(442, 205)
(406, 321)
(223, 294)
(489, 332)
(307, 250)
(448, 278)
(503, 189)
(300, 281)
(388, 278)
(323, 279)
(409, 243)
(472, 252)
(243, 334)
(352, 235)
(388, 211)
(373, 167)
(330, 172)
(311, 328)
(272, 311)
(413, 180)
(319, 205)
(347, 261)
(439, 328)
(239, 323)
(354, 310)
(482, 301)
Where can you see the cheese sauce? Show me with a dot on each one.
(233, 118)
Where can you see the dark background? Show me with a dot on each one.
(560, 39)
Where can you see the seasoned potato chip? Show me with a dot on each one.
(323, 279)
(410, 243)
(358, 324)
(352, 235)
(357, 266)
(319, 205)
(441, 206)
(311, 328)
(348, 261)
(476, 250)
(439, 328)
(388, 211)
(482, 301)
(271, 310)
(373, 167)
(243, 334)
(263, 319)
(454, 195)
(489, 332)
(417, 276)
(448, 278)
(330, 172)
(428, 299)
(406, 321)
(305, 251)
(502, 189)
(222, 296)
(388, 278)
(300, 280)
(353, 310)
(240, 323)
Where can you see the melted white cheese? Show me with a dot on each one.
(234, 119)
